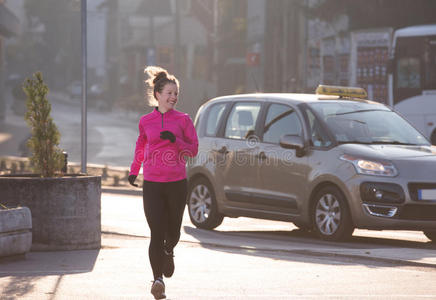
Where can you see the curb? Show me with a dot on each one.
(121, 191)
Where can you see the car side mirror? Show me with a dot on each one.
(289, 141)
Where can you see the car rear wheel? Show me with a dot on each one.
(431, 234)
(202, 207)
(330, 216)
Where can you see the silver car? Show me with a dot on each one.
(326, 163)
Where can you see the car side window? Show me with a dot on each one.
(213, 118)
(242, 120)
(280, 120)
(319, 137)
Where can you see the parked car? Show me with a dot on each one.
(329, 162)
(75, 90)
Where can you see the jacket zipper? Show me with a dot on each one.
(162, 119)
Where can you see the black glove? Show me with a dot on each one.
(168, 135)
(132, 179)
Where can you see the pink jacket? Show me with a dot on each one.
(162, 160)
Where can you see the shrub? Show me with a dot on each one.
(104, 173)
(14, 167)
(46, 158)
(2, 165)
(116, 180)
(22, 165)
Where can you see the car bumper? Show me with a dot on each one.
(407, 213)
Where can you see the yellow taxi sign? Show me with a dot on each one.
(342, 91)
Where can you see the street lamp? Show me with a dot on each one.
(84, 88)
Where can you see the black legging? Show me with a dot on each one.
(164, 203)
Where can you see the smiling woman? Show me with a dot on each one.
(166, 137)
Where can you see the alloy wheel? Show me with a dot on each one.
(328, 214)
(200, 202)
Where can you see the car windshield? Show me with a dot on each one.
(366, 123)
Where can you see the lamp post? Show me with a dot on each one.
(84, 87)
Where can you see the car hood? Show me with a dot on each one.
(391, 152)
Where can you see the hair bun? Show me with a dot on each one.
(159, 76)
(156, 79)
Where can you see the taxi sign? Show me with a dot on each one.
(341, 91)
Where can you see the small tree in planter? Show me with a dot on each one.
(47, 158)
(65, 208)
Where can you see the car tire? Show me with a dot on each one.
(431, 234)
(202, 206)
(330, 215)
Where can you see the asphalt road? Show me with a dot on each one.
(242, 259)
(259, 259)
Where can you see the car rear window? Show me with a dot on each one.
(242, 120)
(213, 118)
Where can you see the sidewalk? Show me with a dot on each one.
(120, 269)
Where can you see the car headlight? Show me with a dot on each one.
(370, 167)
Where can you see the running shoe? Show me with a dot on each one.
(168, 265)
(158, 289)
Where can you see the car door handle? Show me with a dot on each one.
(223, 150)
(261, 155)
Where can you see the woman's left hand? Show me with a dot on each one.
(168, 135)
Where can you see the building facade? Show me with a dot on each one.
(9, 26)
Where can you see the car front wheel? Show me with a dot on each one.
(431, 234)
(202, 207)
(330, 216)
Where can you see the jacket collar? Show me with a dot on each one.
(157, 112)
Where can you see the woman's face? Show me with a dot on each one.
(167, 99)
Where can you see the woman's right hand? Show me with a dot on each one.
(132, 179)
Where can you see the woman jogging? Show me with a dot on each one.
(166, 137)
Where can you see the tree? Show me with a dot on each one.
(47, 158)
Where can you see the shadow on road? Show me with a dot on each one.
(304, 246)
(24, 274)
(352, 243)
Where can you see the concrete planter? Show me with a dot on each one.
(15, 231)
(65, 211)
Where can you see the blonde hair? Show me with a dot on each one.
(157, 78)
